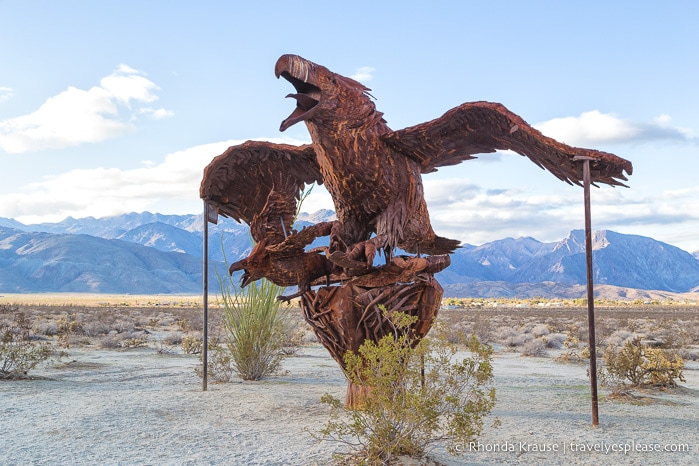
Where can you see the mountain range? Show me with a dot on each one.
(146, 253)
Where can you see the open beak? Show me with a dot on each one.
(302, 75)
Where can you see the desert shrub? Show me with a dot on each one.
(184, 324)
(173, 339)
(111, 341)
(481, 328)
(640, 365)
(123, 325)
(95, 328)
(257, 328)
(518, 340)
(554, 340)
(135, 341)
(69, 324)
(192, 344)
(46, 328)
(689, 354)
(539, 330)
(419, 394)
(9, 309)
(18, 354)
(449, 329)
(220, 367)
(619, 337)
(573, 352)
(536, 347)
(503, 333)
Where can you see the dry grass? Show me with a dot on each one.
(100, 300)
(118, 321)
(525, 329)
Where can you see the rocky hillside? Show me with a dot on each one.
(155, 253)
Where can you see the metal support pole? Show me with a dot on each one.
(205, 274)
(590, 292)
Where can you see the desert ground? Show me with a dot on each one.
(126, 392)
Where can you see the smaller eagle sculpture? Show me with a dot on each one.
(372, 172)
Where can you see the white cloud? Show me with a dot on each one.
(663, 119)
(6, 93)
(589, 128)
(157, 113)
(594, 127)
(466, 211)
(105, 191)
(363, 74)
(77, 116)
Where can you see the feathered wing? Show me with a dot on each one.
(483, 127)
(259, 183)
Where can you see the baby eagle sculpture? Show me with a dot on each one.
(373, 174)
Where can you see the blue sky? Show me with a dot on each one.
(112, 107)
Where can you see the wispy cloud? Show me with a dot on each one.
(475, 215)
(76, 116)
(363, 74)
(6, 93)
(108, 191)
(594, 127)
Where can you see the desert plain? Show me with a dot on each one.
(125, 392)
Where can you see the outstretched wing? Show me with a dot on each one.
(482, 127)
(259, 183)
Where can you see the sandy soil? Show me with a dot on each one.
(140, 407)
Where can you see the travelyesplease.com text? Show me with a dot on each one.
(574, 447)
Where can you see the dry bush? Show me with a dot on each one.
(481, 328)
(573, 351)
(518, 340)
(449, 328)
(619, 337)
(173, 339)
(554, 340)
(47, 328)
(502, 333)
(95, 329)
(111, 341)
(535, 347)
(18, 354)
(219, 364)
(539, 330)
(192, 344)
(135, 340)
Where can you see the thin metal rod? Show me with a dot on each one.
(590, 295)
(205, 274)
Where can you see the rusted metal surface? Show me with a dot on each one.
(590, 290)
(374, 177)
(343, 317)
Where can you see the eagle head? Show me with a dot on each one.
(322, 95)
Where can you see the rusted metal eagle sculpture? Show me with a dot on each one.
(373, 174)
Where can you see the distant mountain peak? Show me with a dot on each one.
(38, 257)
(322, 215)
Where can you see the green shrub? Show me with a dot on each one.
(641, 365)
(419, 394)
(257, 328)
(18, 355)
